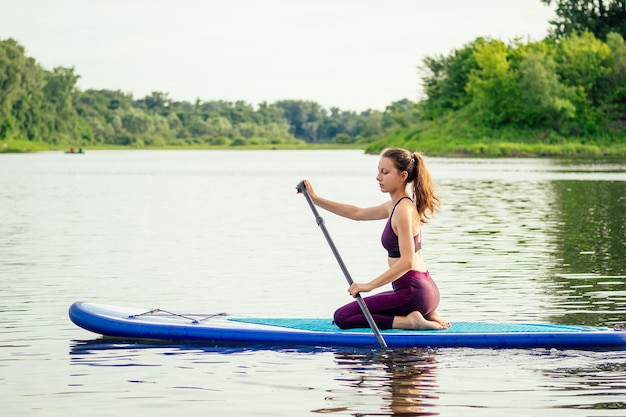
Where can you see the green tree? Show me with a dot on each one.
(102, 110)
(338, 122)
(304, 117)
(444, 80)
(583, 64)
(12, 63)
(58, 98)
(599, 17)
(493, 85)
(156, 102)
(401, 113)
(543, 100)
(616, 78)
(343, 138)
(21, 93)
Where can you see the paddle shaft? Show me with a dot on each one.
(320, 222)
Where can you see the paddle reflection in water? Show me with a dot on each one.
(403, 379)
(398, 382)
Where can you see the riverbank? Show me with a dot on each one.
(432, 139)
(27, 146)
(492, 147)
(456, 135)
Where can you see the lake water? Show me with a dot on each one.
(518, 240)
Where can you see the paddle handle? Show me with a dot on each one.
(320, 222)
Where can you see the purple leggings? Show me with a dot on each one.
(413, 291)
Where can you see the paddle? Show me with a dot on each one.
(359, 299)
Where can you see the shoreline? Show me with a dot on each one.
(461, 150)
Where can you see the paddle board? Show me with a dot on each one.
(142, 323)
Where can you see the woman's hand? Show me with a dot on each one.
(308, 187)
(357, 288)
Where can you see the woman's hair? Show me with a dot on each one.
(426, 201)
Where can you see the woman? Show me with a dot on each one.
(413, 302)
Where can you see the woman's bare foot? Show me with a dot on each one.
(434, 316)
(415, 321)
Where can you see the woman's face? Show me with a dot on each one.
(389, 178)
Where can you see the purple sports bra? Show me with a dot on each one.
(389, 239)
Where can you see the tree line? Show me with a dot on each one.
(599, 17)
(41, 105)
(576, 86)
(573, 82)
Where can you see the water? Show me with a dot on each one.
(539, 240)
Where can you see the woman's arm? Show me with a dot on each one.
(403, 220)
(347, 210)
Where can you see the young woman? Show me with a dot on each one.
(413, 302)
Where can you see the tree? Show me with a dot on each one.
(493, 85)
(542, 98)
(402, 113)
(304, 118)
(444, 79)
(583, 64)
(599, 17)
(58, 95)
(616, 79)
(338, 122)
(21, 94)
(12, 62)
(157, 102)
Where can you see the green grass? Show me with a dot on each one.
(454, 135)
(21, 146)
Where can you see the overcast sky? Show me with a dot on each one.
(351, 54)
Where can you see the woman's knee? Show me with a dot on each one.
(339, 318)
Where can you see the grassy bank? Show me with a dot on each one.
(23, 146)
(455, 135)
(450, 136)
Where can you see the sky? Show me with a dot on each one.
(351, 54)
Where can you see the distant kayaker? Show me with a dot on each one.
(415, 297)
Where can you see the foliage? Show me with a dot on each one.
(564, 95)
(456, 133)
(574, 87)
(46, 106)
(313, 124)
(35, 103)
(567, 92)
(444, 79)
(599, 17)
(492, 84)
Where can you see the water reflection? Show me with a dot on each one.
(398, 382)
(81, 350)
(403, 379)
(592, 381)
(590, 246)
(591, 234)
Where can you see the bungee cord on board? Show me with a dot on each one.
(155, 311)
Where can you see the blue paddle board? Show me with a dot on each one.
(157, 324)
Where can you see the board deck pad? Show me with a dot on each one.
(327, 325)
